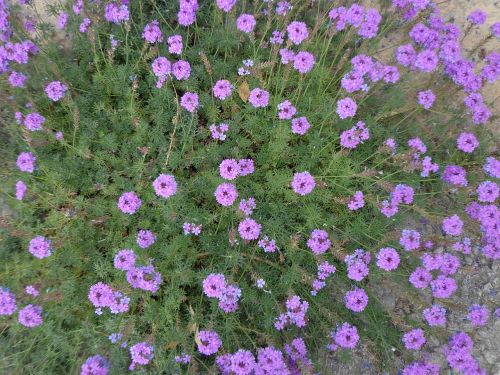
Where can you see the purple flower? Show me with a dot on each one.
(226, 194)
(357, 270)
(222, 89)
(218, 131)
(17, 79)
(277, 37)
(388, 259)
(443, 287)
(414, 339)
(189, 101)
(269, 246)
(249, 229)
(283, 7)
(56, 90)
(186, 16)
(300, 125)
(303, 62)
(259, 98)
(181, 70)
(125, 259)
(477, 17)
(435, 316)
(286, 55)
(116, 13)
(487, 191)
(175, 44)
(61, 20)
(357, 201)
(319, 242)
(452, 225)
(356, 300)
(31, 291)
(492, 167)
(410, 239)
(346, 336)
(303, 183)
(145, 238)
(495, 29)
(246, 166)
(7, 302)
(214, 285)
(246, 23)
(40, 247)
(165, 185)
(59, 136)
(152, 33)
(95, 365)
(184, 358)
(142, 353)
(242, 362)
(455, 175)
(84, 26)
(346, 108)
(420, 278)
(129, 203)
(20, 190)
(426, 61)
(229, 169)
(145, 278)
(426, 98)
(34, 121)
(30, 316)
(100, 295)
(353, 137)
(467, 142)
(247, 206)
(286, 110)
(297, 32)
(161, 66)
(226, 5)
(478, 315)
(405, 55)
(208, 342)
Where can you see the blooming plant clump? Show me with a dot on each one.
(235, 187)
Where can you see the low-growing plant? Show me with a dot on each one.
(223, 186)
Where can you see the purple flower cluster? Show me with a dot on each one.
(26, 162)
(303, 183)
(95, 365)
(184, 358)
(357, 201)
(219, 131)
(259, 98)
(20, 190)
(125, 259)
(467, 142)
(226, 194)
(129, 203)
(33, 121)
(247, 206)
(353, 137)
(388, 259)
(30, 316)
(144, 277)
(215, 286)
(346, 108)
(152, 32)
(356, 300)
(56, 90)
(40, 247)
(435, 315)
(318, 241)
(189, 101)
(246, 23)
(295, 314)
(455, 175)
(145, 238)
(165, 186)
(268, 245)
(8, 304)
(141, 354)
(325, 269)
(222, 89)
(414, 339)
(458, 353)
(357, 264)
(344, 336)
(102, 295)
(208, 342)
(187, 12)
(478, 315)
(410, 239)
(365, 21)
(116, 13)
(191, 228)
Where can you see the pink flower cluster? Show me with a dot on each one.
(318, 241)
(215, 286)
(230, 169)
(295, 314)
(357, 201)
(187, 12)
(268, 245)
(141, 354)
(458, 353)
(95, 365)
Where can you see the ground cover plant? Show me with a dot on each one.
(223, 186)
